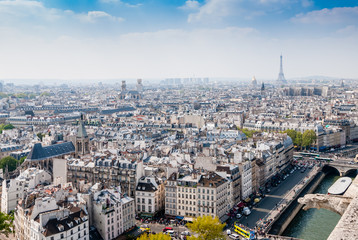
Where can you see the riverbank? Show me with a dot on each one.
(265, 225)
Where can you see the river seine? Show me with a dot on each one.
(314, 224)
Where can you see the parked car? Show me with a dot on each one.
(170, 232)
(234, 236)
(238, 215)
(228, 232)
(167, 229)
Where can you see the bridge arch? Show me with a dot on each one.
(329, 169)
(350, 172)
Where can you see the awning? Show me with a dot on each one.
(224, 218)
(146, 214)
(179, 217)
(188, 219)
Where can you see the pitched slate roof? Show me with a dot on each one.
(41, 153)
(81, 132)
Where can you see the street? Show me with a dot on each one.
(271, 199)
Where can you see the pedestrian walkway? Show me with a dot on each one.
(264, 225)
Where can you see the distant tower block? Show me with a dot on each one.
(124, 86)
(253, 81)
(281, 77)
(342, 83)
(139, 85)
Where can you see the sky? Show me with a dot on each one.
(157, 39)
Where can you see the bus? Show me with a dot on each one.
(323, 159)
(297, 157)
(244, 233)
(309, 154)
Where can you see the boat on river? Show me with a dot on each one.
(340, 186)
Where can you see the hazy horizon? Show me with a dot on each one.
(157, 39)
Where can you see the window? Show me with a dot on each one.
(79, 235)
(79, 228)
(61, 235)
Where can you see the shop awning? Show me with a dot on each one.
(224, 218)
(188, 219)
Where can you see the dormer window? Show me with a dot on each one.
(70, 224)
(77, 220)
(60, 227)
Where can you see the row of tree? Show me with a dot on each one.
(305, 140)
(300, 140)
(10, 163)
(6, 127)
(204, 228)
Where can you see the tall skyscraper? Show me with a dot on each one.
(281, 77)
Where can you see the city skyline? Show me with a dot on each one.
(113, 39)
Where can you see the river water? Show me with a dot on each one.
(314, 224)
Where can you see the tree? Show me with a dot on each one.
(8, 126)
(298, 140)
(40, 136)
(159, 236)
(207, 228)
(308, 138)
(22, 159)
(6, 224)
(247, 132)
(9, 162)
(291, 133)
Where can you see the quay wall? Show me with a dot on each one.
(280, 224)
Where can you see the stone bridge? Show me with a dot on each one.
(346, 205)
(334, 203)
(343, 167)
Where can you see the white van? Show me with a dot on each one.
(246, 211)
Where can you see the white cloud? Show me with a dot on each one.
(19, 12)
(329, 16)
(190, 5)
(348, 30)
(214, 10)
(94, 16)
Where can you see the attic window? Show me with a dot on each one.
(84, 218)
(60, 227)
(70, 224)
(77, 220)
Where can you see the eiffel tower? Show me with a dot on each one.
(281, 77)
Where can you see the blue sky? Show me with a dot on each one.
(116, 39)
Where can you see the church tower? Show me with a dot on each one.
(82, 140)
